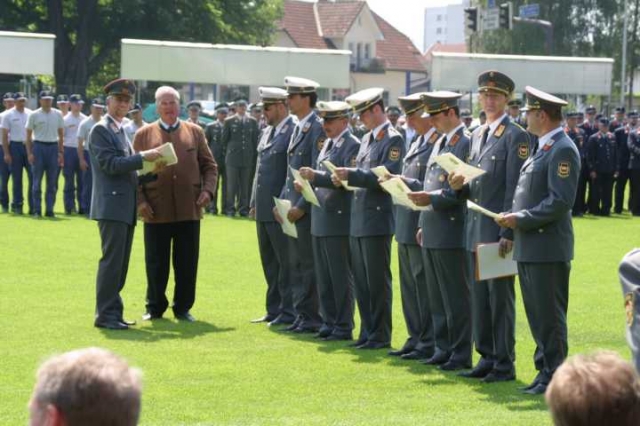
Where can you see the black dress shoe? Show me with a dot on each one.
(266, 318)
(111, 325)
(479, 372)
(304, 329)
(281, 320)
(324, 333)
(400, 352)
(185, 316)
(127, 322)
(530, 386)
(358, 342)
(538, 389)
(499, 376)
(415, 355)
(454, 366)
(149, 316)
(437, 359)
(50, 214)
(336, 337)
(374, 345)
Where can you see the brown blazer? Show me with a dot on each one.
(173, 195)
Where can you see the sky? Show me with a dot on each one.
(407, 15)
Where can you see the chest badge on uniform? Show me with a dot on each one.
(499, 131)
(523, 151)
(394, 153)
(629, 304)
(564, 169)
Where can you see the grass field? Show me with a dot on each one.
(222, 370)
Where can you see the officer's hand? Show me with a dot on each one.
(295, 214)
(7, 159)
(32, 159)
(252, 212)
(336, 182)
(297, 186)
(151, 155)
(593, 175)
(83, 165)
(60, 159)
(419, 237)
(456, 182)
(420, 198)
(307, 173)
(507, 220)
(276, 215)
(386, 177)
(504, 247)
(204, 199)
(342, 173)
(145, 211)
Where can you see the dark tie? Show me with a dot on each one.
(329, 145)
(442, 144)
(271, 134)
(485, 136)
(296, 132)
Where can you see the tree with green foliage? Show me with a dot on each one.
(88, 32)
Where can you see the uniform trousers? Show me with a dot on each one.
(415, 299)
(449, 300)
(87, 182)
(545, 293)
(239, 180)
(332, 264)
(621, 184)
(493, 319)
(222, 184)
(370, 259)
(274, 252)
(19, 163)
(303, 281)
(580, 205)
(634, 193)
(116, 238)
(72, 179)
(166, 243)
(602, 188)
(5, 171)
(46, 164)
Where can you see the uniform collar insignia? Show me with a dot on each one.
(499, 131)
(306, 127)
(433, 138)
(454, 140)
(381, 134)
(339, 143)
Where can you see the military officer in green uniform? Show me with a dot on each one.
(543, 244)
(213, 132)
(239, 142)
(193, 112)
(372, 221)
(499, 147)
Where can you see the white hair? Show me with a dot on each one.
(167, 90)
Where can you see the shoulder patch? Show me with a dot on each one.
(564, 169)
(394, 153)
(454, 140)
(320, 143)
(499, 131)
(629, 304)
(523, 151)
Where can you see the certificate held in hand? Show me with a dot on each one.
(490, 265)
(169, 158)
(307, 190)
(283, 207)
(453, 164)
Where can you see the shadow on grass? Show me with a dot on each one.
(163, 329)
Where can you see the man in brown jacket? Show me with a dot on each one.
(171, 204)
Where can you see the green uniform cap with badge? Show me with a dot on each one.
(495, 81)
(120, 87)
(299, 85)
(365, 99)
(412, 103)
(537, 99)
(442, 100)
(334, 109)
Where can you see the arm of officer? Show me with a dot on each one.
(562, 181)
(392, 160)
(634, 143)
(592, 152)
(517, 153)
(109, 160)
(443, 199)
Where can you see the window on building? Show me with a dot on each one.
(438, 18)
(438, 30)
(367, 53)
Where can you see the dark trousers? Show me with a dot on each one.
(545, 293)
(602, 188)
(179, 241)
(87, 182)
(5, 171)
(222, 184)
(370, 260)
(415, 299)
(19, 163)
(46, 164)
(494, 319)
(239, 180)
(580, 205)
(303, 280)
(449, 300)
(273, 247)
(634, 193)
(72, 179)
(332, 264)
(116, 238)
(621, 184)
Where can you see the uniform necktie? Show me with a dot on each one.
(271, 134)
(329, 145)
(485, 136)
(442, 144)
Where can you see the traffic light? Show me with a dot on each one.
(471, 19)
(506, 16)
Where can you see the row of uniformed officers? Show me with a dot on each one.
(342, 254)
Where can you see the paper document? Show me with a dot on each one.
(307, 191)
(398, 191)
(490, 265)
(168, 157)
(476, 208)
(283, 207)
(451, 163)
(331, 167)
(380, 171)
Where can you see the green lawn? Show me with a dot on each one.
(223, 370)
